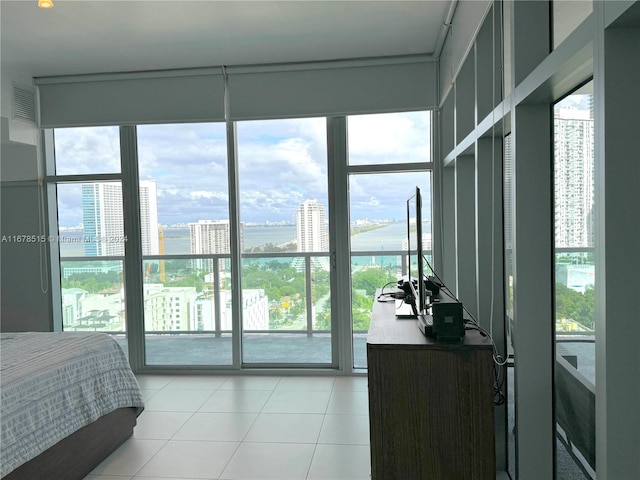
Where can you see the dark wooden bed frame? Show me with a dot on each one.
(75, 456)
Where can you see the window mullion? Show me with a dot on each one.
(133, 278)
(234, 232)
(54, 247)
(341, 322)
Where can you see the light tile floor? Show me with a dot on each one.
(246, 427)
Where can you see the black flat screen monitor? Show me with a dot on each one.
(415, 254)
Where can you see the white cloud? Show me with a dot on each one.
(87, 150)
(205, 194)
(389, 138)
(281, 163)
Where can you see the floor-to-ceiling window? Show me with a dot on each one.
(283, 194)
(88, 240)
(189, 316)
(184, 223)
(388, 156)
(508, 209)
(575, 279)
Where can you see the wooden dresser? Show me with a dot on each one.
(430, 403)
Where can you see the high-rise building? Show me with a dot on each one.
(311, 227)
(149, 217)
(312, 234)
(211, 236)
(574, 177)
(102, 219)
(508, 192)
(104, 223)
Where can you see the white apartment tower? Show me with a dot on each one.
(104, 223)
(574, 177)
(311, 227)
(149, 217)
(211, 236)
(255, 311)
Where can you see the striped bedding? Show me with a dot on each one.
(53, 384)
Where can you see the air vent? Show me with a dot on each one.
(24, 103)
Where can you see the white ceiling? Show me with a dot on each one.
(82, 36)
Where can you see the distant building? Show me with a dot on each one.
(104, 223)
(508, 192)
(102, 267)
(83, 311)
(311, 227)
(211, 236)
(574, 177)
(149, 217)
(312, 234)
(255, 311)
(72, 304)
(167, 308)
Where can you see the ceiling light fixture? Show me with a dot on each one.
(45, 3)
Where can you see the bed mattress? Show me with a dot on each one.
(53, 384)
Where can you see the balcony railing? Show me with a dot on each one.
(163, 272)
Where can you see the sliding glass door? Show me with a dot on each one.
(283, 193)
(184, 220)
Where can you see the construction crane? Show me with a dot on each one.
(161, 252)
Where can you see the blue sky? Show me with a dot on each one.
(280, 163)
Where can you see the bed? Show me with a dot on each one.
(68, 400)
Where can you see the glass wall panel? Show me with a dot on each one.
(184, 214)
(92, 296)
(379, 238)
(508, 225)
(508, 208)
(89, 237)
(184, 187)
(187, 312)
(575, 279)
(378, 208)
(507, 13)
(87, 150)
(285, 241)
(389, 138)
(91, 245)
(90, 220)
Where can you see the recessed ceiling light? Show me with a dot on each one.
(45, 3)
